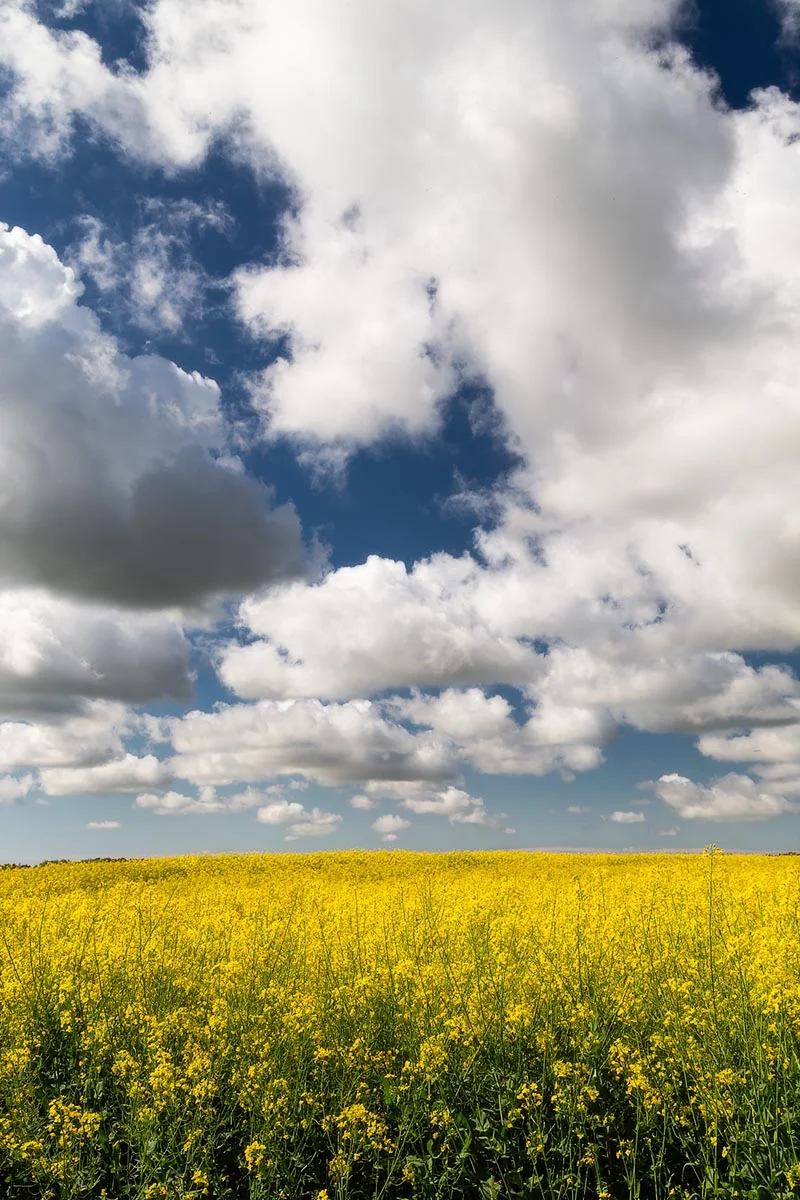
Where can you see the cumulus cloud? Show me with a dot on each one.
(116, 485)
(777, 746)
(330, 743)
(273, 808)
(730, 798)
(14, 787)
(172, 803)
(207, 800)
(458, 806)
(363, 802)
(487, 735)
(102, 825)
(627, 817)
(395, 628)
(300, 821)
(773, 754)
(55, 653)
(660, 694)
(389, 826)
(281, 812)
(80, 750)
(90, 738)
(315, 823)
(127, 774)
(466, 621)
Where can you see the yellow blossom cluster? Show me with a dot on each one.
(403, 1025)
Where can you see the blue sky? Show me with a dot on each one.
(399, 426)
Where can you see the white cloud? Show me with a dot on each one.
(254, 797)
(172, 803)
(468, 715)
(377, 369)
(627, 817)
(774, 755)
(330, 743)
(632, 683)
(729, 798)
(208, 800)
(577, 810)
(102, 825)
(92, 737)
(389, 826)
(315, 823)
(458, 806)
(14, 787)
(127, 774)
(782, 779)
(780, 745)
(777, 770)
(394, 628)
(300, 821)
(462, 621)
(281, 812)
(365, 803)
(486, 735)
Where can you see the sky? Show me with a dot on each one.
(399, 425)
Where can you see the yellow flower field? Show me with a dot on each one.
(398, 1025)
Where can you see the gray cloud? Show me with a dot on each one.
(57, 654)
(187, 530)
(116, 483)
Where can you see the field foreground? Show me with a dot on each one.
(401, 1025)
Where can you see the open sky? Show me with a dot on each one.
(399, 425)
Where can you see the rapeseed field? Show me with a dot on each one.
(401, 1025)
